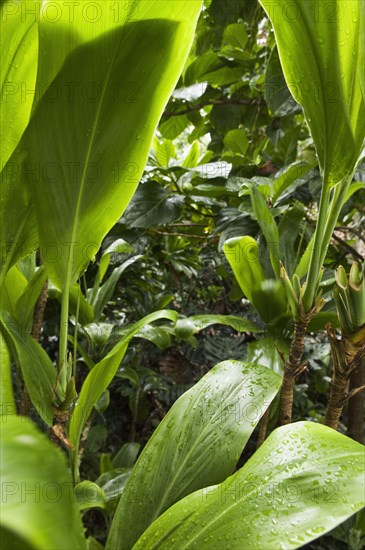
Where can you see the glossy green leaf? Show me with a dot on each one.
(268, 227)
(322, 56)
(302, 482)
(18, 71)
(242, 254)
(102, 374)
(192, 158)
(286, 178)
(7, 403)
(289, 229)
(266, 352)
(277, 94)
(159, 336)
(164, 152)
(198, 443)
(189, 326)
(38, 509)
(127, 455)
(89, 495)
(121, 75)
(18, 229)
(270, 300)
(13, 287)
(235, 35)
(38, 370)
(153, 205)
(120, 246)
(236, 141)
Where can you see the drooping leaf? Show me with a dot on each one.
(38, 370)
(321, 53)
(277, 95)
(268, 227)
(302, 482)
(89, 495)
(242, 254)
(102, 374)
(37, 510)
(189, 326)
(91, 169)
(198, 443)
(7, 403)
(127, 454)
(18, 229)
(18, 71)
(152, 205)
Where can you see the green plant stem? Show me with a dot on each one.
(64, 331)
(327, 220)
(315, 260)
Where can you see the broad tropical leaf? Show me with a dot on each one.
(322, 55)
(123, 73)
(189, 326)
(37, 510)
(38, 370)
(198, 443)
(302, 482)
(242, 254)
(18, 71)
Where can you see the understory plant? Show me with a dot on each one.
(73, 153)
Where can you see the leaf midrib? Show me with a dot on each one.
(86, 162)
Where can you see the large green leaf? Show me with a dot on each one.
(18, 229)
(7, 403)
(198, 443)
(38, 371)
(18, 71)
(268, 226)
(303, 481)
(37, 505)
(189, 326)
(103, 373)
(91, 133)
(242, 254)
(321, 52)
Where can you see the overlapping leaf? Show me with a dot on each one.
(198, 443)
(322, 54)
(302, 482)
(91, 132)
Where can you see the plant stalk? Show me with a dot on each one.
(292, 368)
(315, 263)
(63, 330)
(329, 212)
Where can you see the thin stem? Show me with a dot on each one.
(327, 220)
(64, 329)
(315, 260)
(75, 335)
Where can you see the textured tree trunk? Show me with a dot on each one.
(348, 354)
(292, 368)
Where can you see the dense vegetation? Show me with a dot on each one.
(183, 204)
